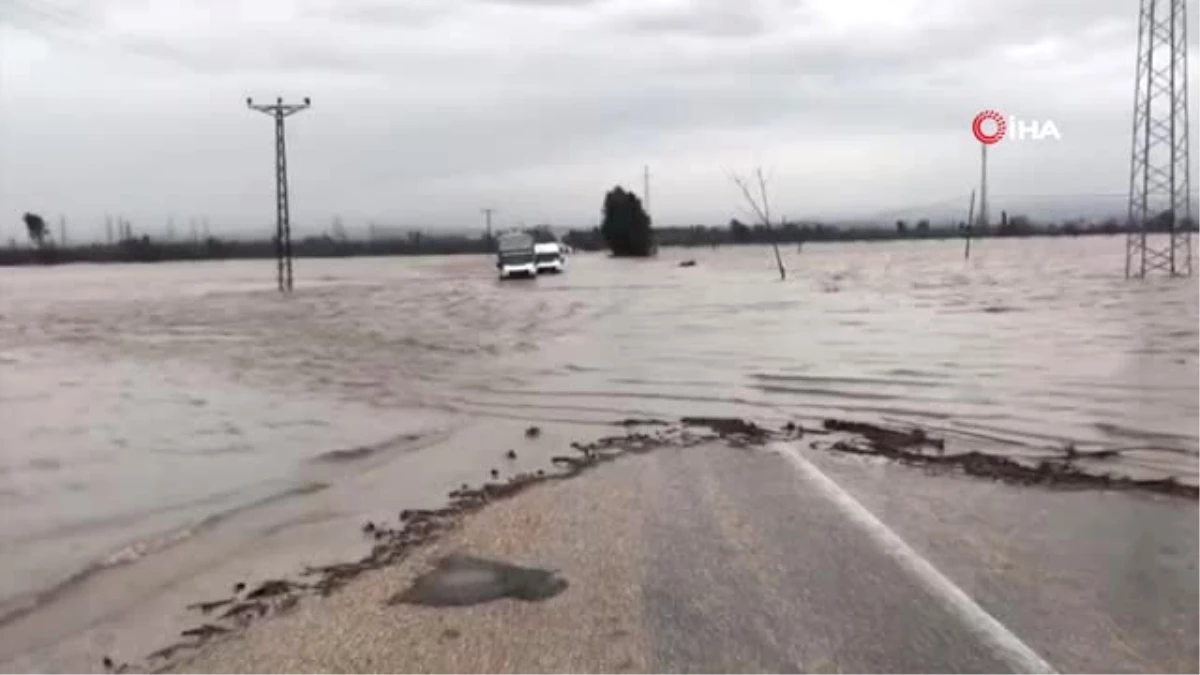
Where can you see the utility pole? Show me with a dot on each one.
(487, 214)
(108, 231)
(62, 231)
(283, 229)
(970, 224)
(983, 201)
(646, 187)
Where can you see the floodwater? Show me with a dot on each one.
(1031, 344)
(142, 404)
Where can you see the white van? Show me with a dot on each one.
(549, 257)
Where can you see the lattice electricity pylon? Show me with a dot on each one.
(1159, 177)
(283, 227)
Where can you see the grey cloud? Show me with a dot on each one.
(713, 24)
(81, 26)
(704, 20)
(603, 127)
(412, 13)
(438, 102)
(296, 58)
(544, 3)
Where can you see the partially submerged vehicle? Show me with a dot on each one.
(549, 257)
(515, 255)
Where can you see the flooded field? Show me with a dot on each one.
(142, 403)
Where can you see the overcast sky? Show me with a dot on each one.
(424, 111)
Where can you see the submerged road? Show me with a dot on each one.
(718, 559)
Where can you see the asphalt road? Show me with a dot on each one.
(716, 559)
(751, 566)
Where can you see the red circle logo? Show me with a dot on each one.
(988, 116)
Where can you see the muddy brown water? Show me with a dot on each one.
(142, 402)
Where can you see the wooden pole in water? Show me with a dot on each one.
(970, 219)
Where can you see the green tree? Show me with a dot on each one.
(542, 234)
(36, 227)
(626, 226)
(739, 231)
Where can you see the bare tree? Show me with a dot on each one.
(761, 207)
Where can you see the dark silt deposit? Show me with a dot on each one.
(461, 579)
(915, 447)
(727, 426)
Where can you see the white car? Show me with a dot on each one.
(549, 257)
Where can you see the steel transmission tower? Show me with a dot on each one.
(1159, 178)
(283, 228)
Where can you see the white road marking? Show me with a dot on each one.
(1007, 646)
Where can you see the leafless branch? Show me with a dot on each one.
(761, 207)
(762, 190)
(744, 186)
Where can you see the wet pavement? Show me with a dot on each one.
(715, 558)
(774, 579)
(748, 566)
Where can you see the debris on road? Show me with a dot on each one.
(459, 580)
